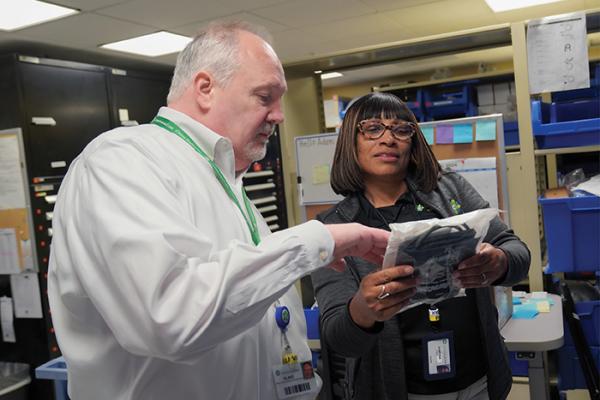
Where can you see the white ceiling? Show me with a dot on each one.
(302, 29)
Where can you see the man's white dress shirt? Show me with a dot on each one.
(155, 287)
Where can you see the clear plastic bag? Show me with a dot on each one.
(435, 247)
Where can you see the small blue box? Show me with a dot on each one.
(572, 229)
(312, 322)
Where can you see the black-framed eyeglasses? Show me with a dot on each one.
(373, 129)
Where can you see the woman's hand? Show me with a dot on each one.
(482, 269)
(381, 295)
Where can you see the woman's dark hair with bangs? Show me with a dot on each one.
(346, 175)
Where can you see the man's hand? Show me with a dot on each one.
(482, 269)
(359, 241)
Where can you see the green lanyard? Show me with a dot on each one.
(250, 219)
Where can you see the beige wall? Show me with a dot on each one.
(303, 110)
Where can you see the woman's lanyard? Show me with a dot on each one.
(249, 218)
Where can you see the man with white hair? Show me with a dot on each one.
(164, 281)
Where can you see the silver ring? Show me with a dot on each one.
(383, 294)
(484, 279)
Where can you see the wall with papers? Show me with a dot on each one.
(15, 241)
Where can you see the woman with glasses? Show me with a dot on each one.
(388, 174)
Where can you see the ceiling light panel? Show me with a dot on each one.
(19, 14)
(507, 5)
(151, 45)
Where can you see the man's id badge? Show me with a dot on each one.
(438, 356)
(294, 379)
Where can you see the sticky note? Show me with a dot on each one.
(320, 174)
(543, 306)
(524, 313)
(428, 133)
(485, 130)
(463, 133)
(444, 134)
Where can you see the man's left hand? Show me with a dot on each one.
(482, 269)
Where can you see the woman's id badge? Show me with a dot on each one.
(438, 356)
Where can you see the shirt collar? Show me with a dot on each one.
(217, 147)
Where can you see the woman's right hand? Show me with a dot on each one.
(382, 294)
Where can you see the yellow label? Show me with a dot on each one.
(290, 358)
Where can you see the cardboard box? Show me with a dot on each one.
(485, 95)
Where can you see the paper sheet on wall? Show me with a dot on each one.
(12, 193)
(479, 172)
(25, 289)
(6, 320)
(9, 255)
(557, 54)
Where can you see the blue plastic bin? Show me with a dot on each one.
(589, 316)
(570, 375)
(518, 367)
(566, 124)
(55, 370)
(312, 322)
(511, 133)
(449, 101)
(572, 229)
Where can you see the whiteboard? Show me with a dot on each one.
(314, 156)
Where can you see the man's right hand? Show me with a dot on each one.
(359, 241)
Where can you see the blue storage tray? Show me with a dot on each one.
(449, 102)
(55, 370)
(565, 133)
(570, 375)
(589, 316)
(587, 93)
(511, 133)
(312, 322)
(572, 229)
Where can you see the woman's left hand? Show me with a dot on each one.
(482, 269)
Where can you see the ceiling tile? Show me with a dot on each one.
(87, 5)
(366, 25)
(178, 12)
(466, 14)
(299, 14)
(84, 31)
(387, 5)
(272, 27)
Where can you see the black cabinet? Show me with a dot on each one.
(60, 107)
(136, 97)
(64, 109)
(264, 186)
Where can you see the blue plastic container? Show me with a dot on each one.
(518, 367)
(570, 375)
(55, 370)
(511, 133)
(589, 316)
(572, 229)
(312, 322)
(566, 124)
(449, 101)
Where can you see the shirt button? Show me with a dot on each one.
(323, 255)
